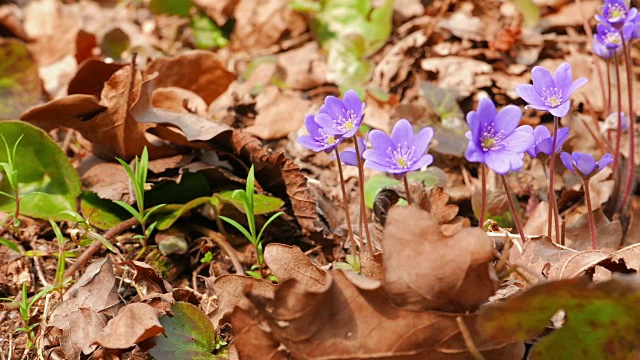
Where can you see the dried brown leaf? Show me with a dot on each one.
(289, 262)
(199, 71)
(608, 233)
(426, 270)
(53, 27)
(230, 290)
(134, 323)
(352, 318)
(280, 112)
(79, 328)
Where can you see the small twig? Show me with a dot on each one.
(222, 242)
(95, 246)
(36, 264)
(466, 335)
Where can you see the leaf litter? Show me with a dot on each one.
(106, 82)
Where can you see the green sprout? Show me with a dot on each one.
(246, 196)
(138, 179)
(12, 176)
(24, 306)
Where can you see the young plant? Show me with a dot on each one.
(24, 306)
(12, 176)
(138, 177)
(255, 238)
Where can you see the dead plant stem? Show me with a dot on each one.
(222, 242)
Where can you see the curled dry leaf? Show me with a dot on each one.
(608, 233)
(352, 318)
(199, 71)
(436, 204)
(230, 290)
(426, 270)
(289, 262)
(134, 323)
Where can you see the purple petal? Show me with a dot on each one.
(562, 110)
(575, 86)
(474, 153)
(520, 140)
(604, 161)
(325, 121)
(541, 79)
(380, 140)
(585, 163)
(544, 146)
(497, 161)
(424, 160)
(333, 107)
(352, 102)
(540, 107)
(379, 157)
(529, 94)
(541, 132)
(486, 114)
(567, 160)
(371, 164)
(563, 135)
(516, 161)
(422, 141)
(349, 157)
(310, 143)
(562, 78)
(508, 119)
(312, 126)
(402, 132)
(474, 124)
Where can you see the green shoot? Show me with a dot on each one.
(61, 253)
(246, 196)
(24, 306)
(207, 258)
(138, 177)
(12, 176)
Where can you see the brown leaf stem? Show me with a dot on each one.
(513, 209)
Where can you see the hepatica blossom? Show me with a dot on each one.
(401, 152)
(612, 38)
(616, 13)
(495, 138)
(599, 49)
(551, 93)
(544, 141)
(349, 156)
(584, 164)
(341, 117)
(318, 139)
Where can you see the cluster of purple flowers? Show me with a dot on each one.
(617, 23)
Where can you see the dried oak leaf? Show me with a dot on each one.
(352, 318)
(134, 323)
(280, 112)
(230, 290)
(289, 262)
(608, 233)
(436, 204)
(199, 71)
(426, 270)
(122, 122)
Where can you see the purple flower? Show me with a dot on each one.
(615, 12)
(318, 139)
(611, 37)
(494, 138)
(584, 164)
(611, 122)
(548, 92)
(400, 153)
(341, 117)
(544, 141)
(599, 49)
(349, 156)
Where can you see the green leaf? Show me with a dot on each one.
(530, 12)
(601, 318)
(262, 204)
(19, 80)
(190, 335)
(42, 167)
(239, 227)
(101, 213)
(166, 220)
(170, 7)
(11, 245)
(374, 184)
(206, 34)
(131, 210)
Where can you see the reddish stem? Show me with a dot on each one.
(346, 206)
(592, 224)
(552, 167)
(406, 189)
(616, 155)
(513, 209)
(632, 130)
(483, 197)
(363, 208)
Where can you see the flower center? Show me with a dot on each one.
(616, 13)
(402, 156)
(347, 122)
(612, 38)
(326, 139)
(552, 97)
(491, 140)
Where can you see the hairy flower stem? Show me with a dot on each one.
(553, 205)
(363, 208)
(608, 108)
(616, 154)
(406, 189)
(354, 246)
(513, 209)
(483, 196)
(592, 224)
(552, 195)
(632, 129)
